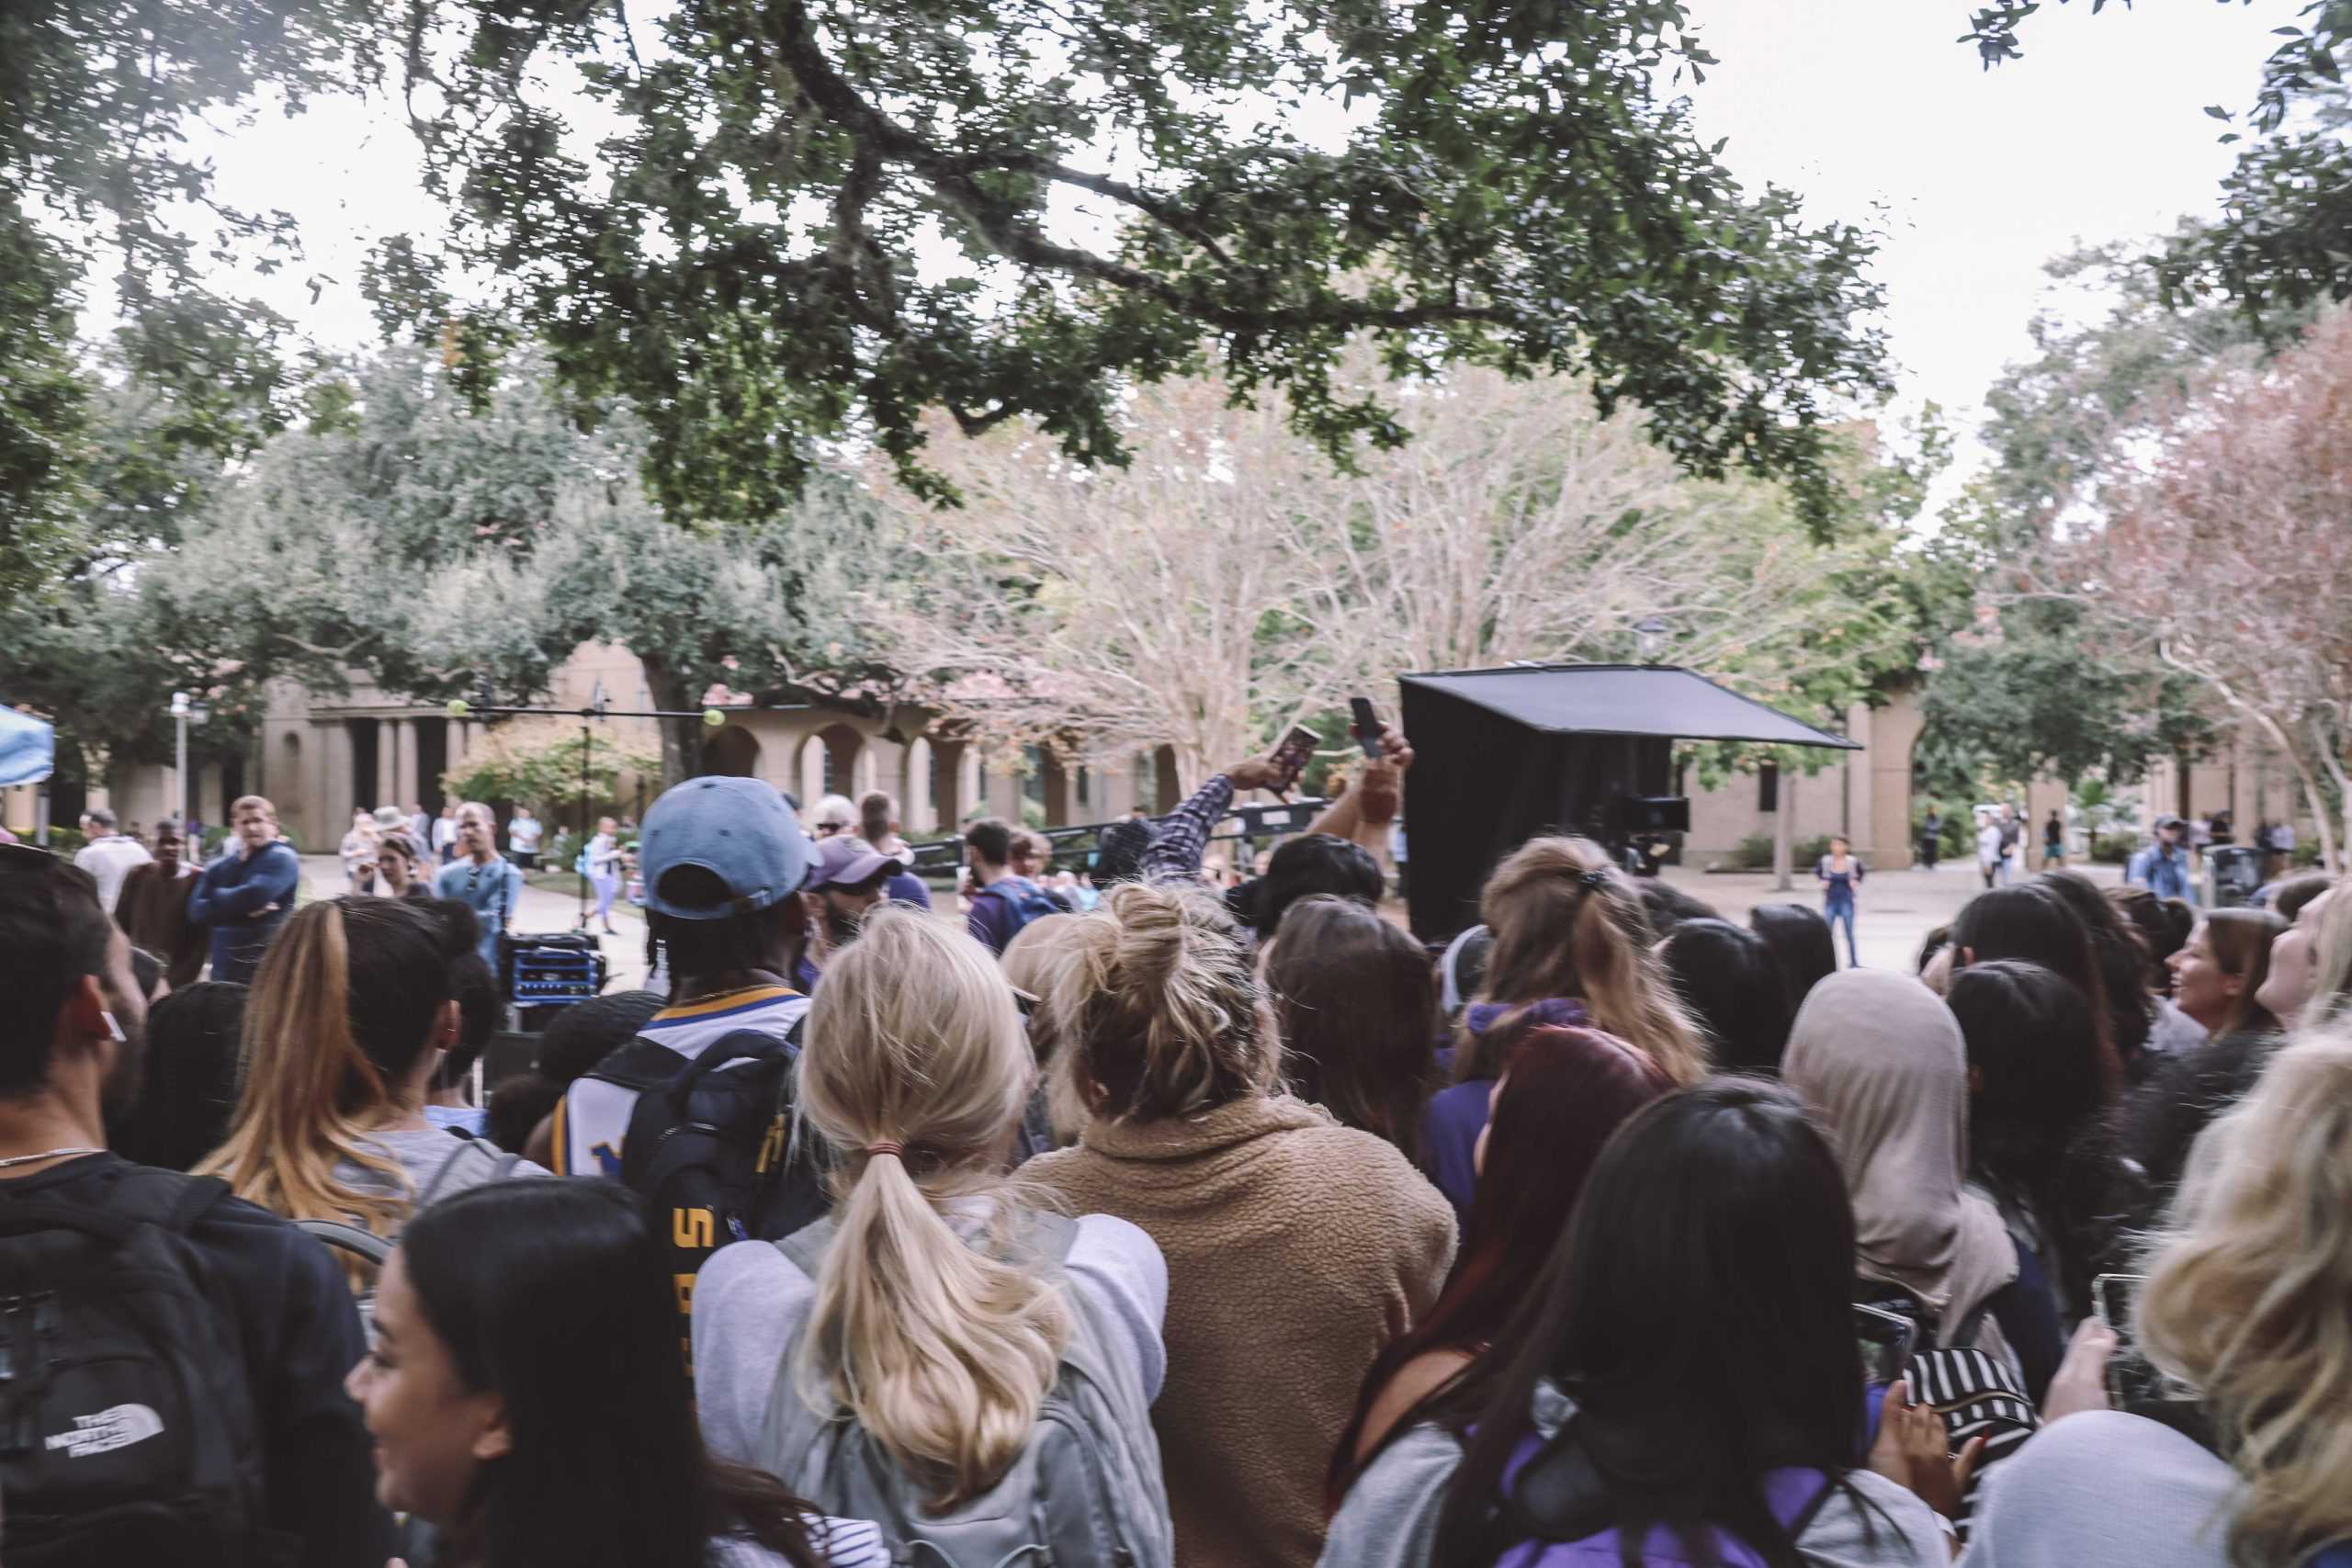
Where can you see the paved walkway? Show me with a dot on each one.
(540, 911)
(1894, 913)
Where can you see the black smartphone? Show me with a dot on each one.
(1290, 758)
(1369, 729)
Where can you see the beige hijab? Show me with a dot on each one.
(1878, 1059)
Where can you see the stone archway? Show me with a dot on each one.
(733, 752)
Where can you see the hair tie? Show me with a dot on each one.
(1593, 878)
(886, 1146)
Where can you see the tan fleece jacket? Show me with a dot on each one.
(1296, 1248)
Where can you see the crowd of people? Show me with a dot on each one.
(1187, 1224)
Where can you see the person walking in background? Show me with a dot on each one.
(420, 825)
(2053, 841)
(153, 909)
(108, 856)
(246, 894)
(1932, 838)
(445, 832)
(1840, 873)
(360, 853)
(523, 839)
(604, 854)
(2161, 865)
(1990, 863)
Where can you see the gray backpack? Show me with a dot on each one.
(1085, 1493)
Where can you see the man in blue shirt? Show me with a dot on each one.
(246, 894)
(2162, 866)
(481, 878)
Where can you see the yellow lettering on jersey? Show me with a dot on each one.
(692, 1228)
(686, 1283)
(772, 1146)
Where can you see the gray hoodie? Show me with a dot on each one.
(1389, 1520)
(2105, 1490)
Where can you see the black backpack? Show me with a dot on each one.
(712, 1151)
(128, 1432)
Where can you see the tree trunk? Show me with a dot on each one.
(1784, 818)
(680, 737)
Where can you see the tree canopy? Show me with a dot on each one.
(2284, 241)
(815, 218)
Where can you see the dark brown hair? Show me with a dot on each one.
(1355, 1002)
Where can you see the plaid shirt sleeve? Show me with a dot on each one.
(1181, 839)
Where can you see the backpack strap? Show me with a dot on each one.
(641, 1064)
(365, 1245)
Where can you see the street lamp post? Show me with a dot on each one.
(179, 721)
(1649, 638)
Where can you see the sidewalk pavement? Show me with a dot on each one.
(538, 910)
(1894, 911)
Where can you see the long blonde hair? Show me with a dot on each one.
(2249, 1297)
(323, 1052)
(1568, 923)
(943, 1350)
(1157, 1010)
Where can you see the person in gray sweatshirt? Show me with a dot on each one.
(1694, 1331)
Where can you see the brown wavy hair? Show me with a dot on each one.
(1568, 923)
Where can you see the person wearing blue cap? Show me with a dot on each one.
(724, 861)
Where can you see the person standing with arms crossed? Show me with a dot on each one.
(1840, 874)
(246, 894)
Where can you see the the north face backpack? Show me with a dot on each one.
(128, 1432)
(1085, 1491)
(1026, 900)
(714, 1153)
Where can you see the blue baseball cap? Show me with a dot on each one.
(738, 830)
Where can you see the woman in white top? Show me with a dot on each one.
(526, 1399)
(922, 1319)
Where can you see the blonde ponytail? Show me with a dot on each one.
(916, 1069)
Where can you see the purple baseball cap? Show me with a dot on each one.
(847, 860)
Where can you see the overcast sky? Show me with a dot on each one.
(2096, 134)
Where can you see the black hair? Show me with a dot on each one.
(1697, 1311)
(475, 988)
(557, 1295)
(53, 931)
(2158, 1122)
(2033, 921)
(2034, 1089)
(2117, 954)
(2288, 898)
(517, 1104)
(1801, 945)
(185, 1108)
(752, 939)
(1300, 868)
(585, 1034)
(396, 977)
(1667, 905)
(991, 839)
(146, 972)
(1729, 979)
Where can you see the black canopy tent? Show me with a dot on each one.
(1502, 756)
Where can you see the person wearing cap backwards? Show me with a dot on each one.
(852, 876)
(724, 861)
(2162, 866)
